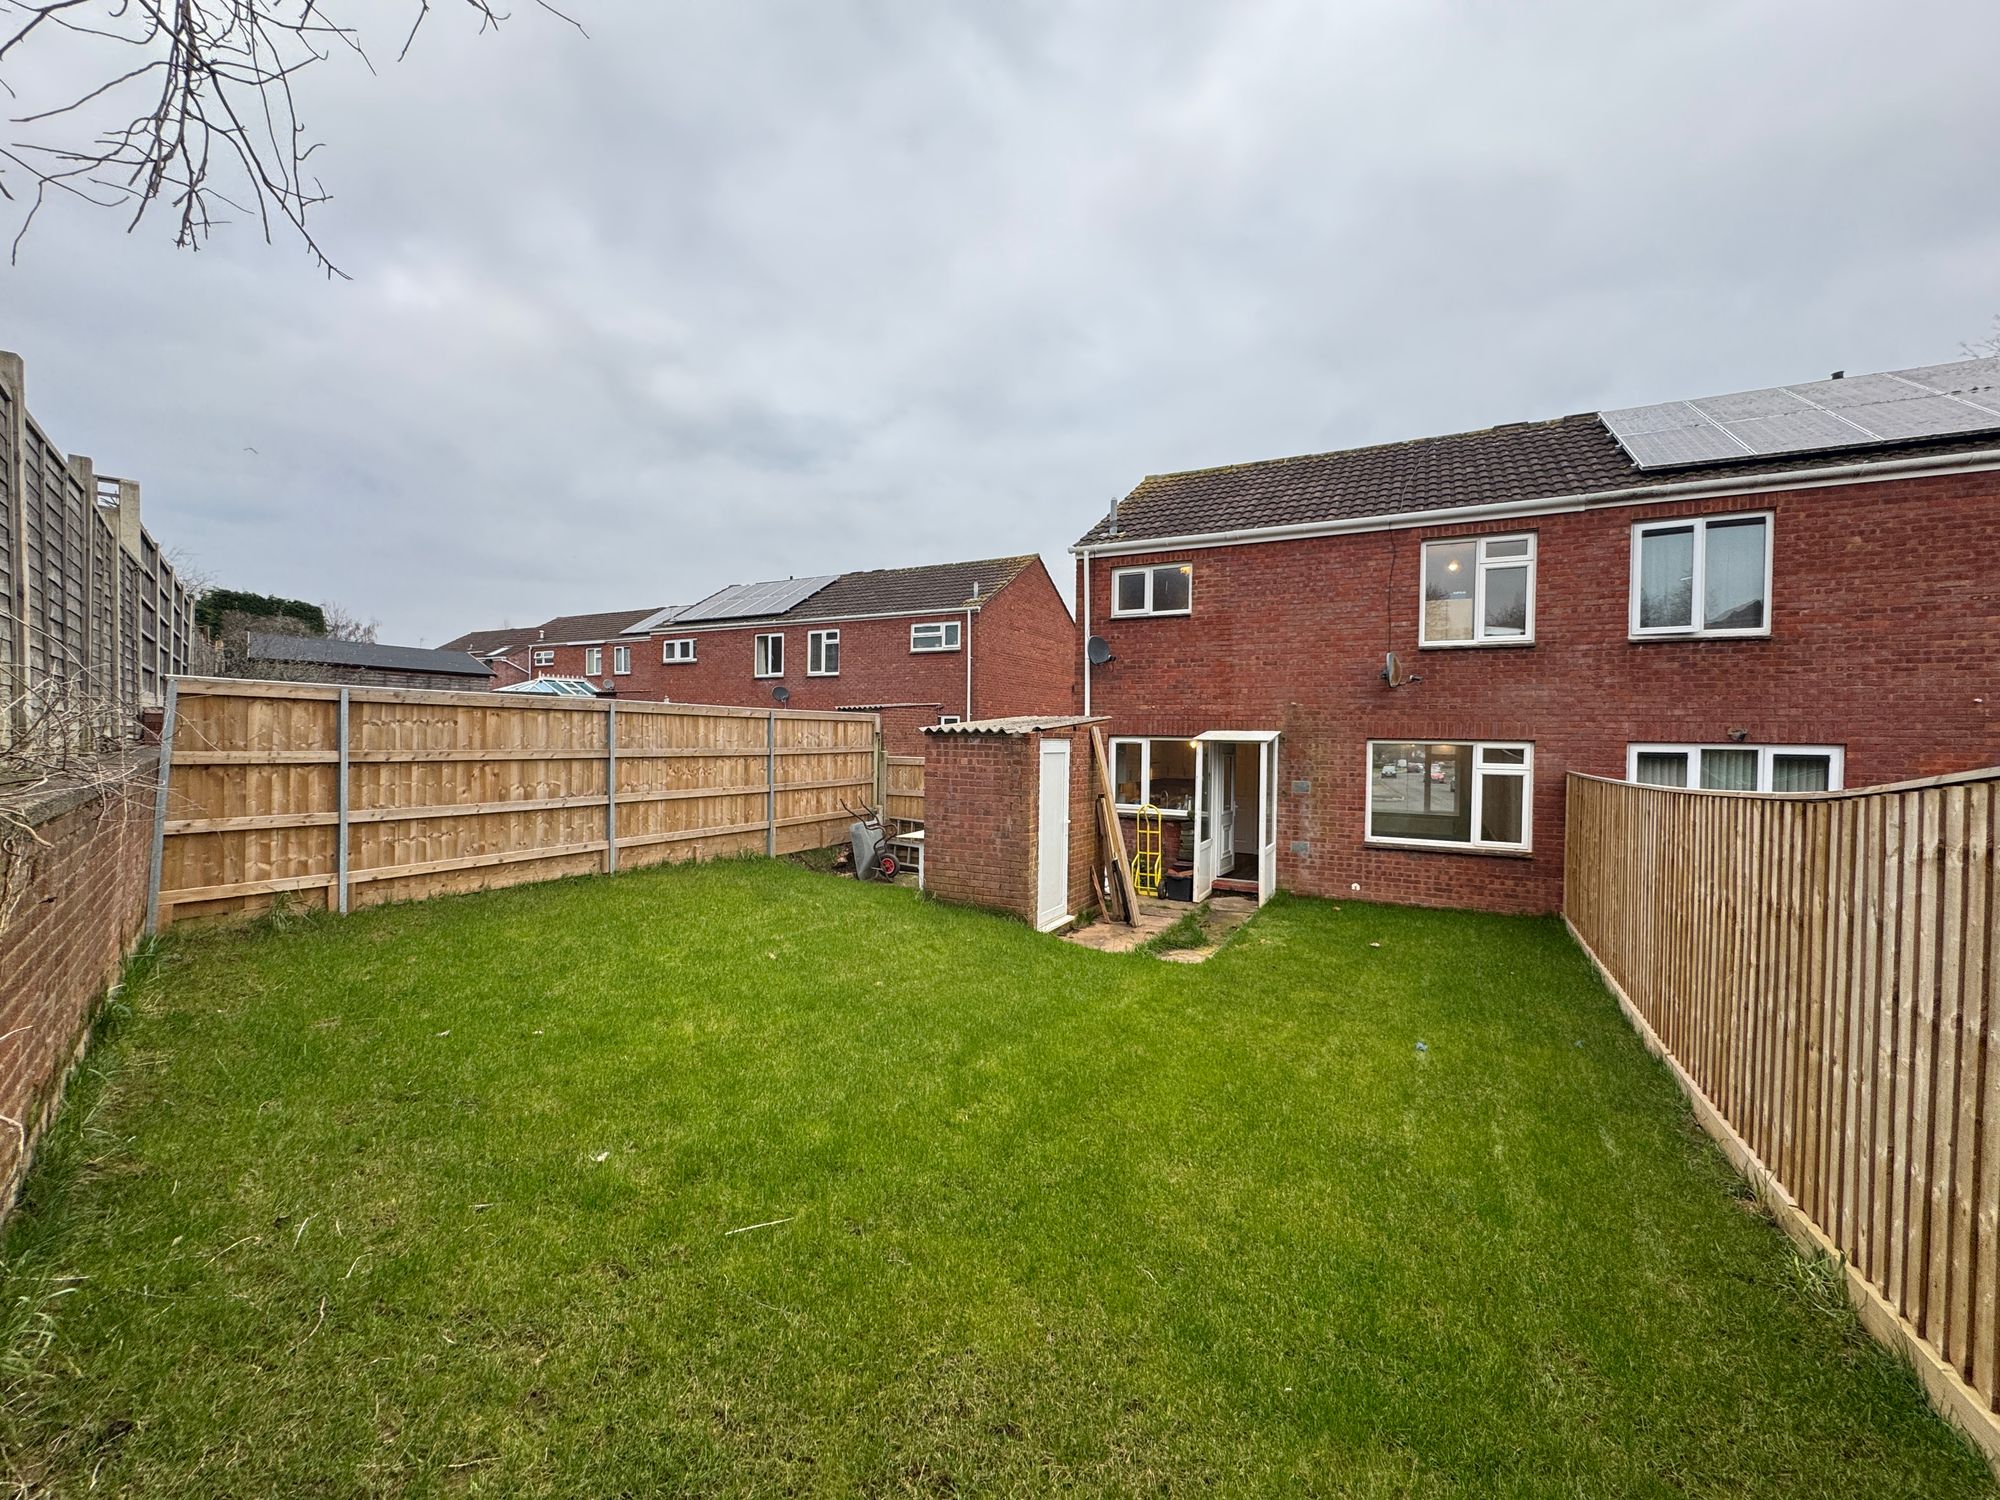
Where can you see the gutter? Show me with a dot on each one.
(1789, 479)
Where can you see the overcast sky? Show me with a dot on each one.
(737, 291)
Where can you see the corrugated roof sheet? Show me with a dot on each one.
(1016, 724)
(1523, 461)
(315, 650)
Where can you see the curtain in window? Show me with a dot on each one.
(1662, 768)
(1734, 577)
(1666, 578)
(1800, 773)
(1729, 770)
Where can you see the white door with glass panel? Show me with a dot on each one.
(1204, 812)
(1267, 820)
(1225, 809)
(1052, 837)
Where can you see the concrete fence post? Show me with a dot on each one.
(160, 805)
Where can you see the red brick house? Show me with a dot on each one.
(920, 646)
(1367, 672)
(601, 647)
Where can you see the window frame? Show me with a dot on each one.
(545, 656)
(1149, 569)
(593, 661)
(1145, 742)
(1698, 597)
(1524, 772)
(670, 653)
(1836, 769)
(951, 719)
(760, 658)
(817, 642)
(1481, 565)
(955, 627)
(621, 661)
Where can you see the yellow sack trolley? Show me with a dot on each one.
(1146, 851)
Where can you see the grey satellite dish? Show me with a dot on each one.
(1098, 650)
(782, 693)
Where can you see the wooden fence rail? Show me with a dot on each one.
(1823, 971)
(352, 796)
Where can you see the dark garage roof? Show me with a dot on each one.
(1524, 461)
(319, 651)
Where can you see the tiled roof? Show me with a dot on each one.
(486, 642)
(889, 591)
(1523, 461)
(316, 650)
(576, 630)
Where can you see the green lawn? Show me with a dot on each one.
(440, 1199)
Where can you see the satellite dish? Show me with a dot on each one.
(1392, 670)
(782, 693)
(1098, 650)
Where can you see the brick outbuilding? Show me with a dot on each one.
(1000, 794)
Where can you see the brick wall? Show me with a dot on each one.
(981, 796)
(72, 904)
(1025, 652)
(1885, 634)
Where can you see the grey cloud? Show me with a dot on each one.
(735, 291)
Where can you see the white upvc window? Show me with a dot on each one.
(823, 653)
(1462, 794)
(1155, 771)
(678, 650)
(621, 660)
(935, 635)
(1161, 589)
(770, 656)
(950, 719)
(545, 658)
(1702, 576)
(1478, 592)
(1738, 768)
(593, 660)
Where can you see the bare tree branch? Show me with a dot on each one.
(215, 128)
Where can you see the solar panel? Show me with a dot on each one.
(743, 601)
(1932, 401)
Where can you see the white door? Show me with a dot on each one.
(1052, 838)
(1225, 809)
(1267, 820)
(1204, 810)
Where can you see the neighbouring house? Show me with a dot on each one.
(1367, 672)
(318, 658)
(602, 647)
(919, 646)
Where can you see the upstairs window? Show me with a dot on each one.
(593, 660)
(1738, 768)
(1706, 577)
(676, 651)
(1479, 592)
(935, 635)
(770, 656)
(1164, 589)
(1452, 795)
(823, 653)
(621, 660)
(545, 658)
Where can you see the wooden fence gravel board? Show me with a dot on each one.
(465, 791)
(1824, 968)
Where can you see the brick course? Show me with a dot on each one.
(1885, 640)
(72, 904)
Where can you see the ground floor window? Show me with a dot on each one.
(1737, 768)
(1458, 794)
(1157, 771)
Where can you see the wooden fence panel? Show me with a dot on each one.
(465, 791)
(905, 788)
(1823, 971)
